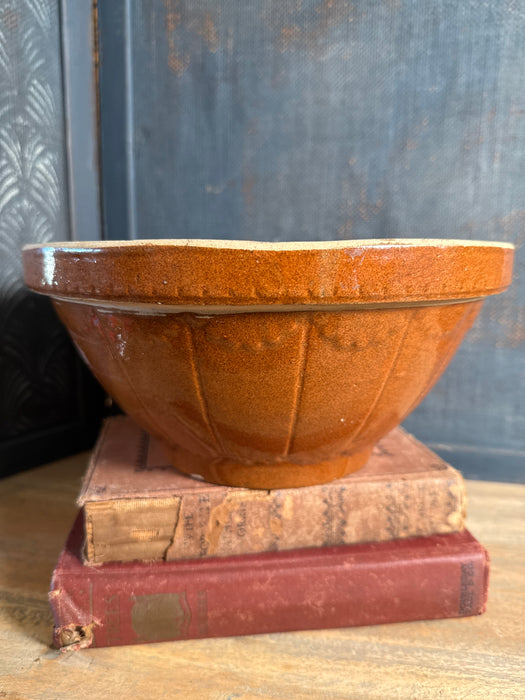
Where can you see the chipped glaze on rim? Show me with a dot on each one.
(219, 276)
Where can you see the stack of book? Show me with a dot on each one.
(156, 555)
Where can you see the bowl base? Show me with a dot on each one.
(283, 475)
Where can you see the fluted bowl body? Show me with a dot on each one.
(268, 365)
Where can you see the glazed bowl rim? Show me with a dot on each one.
(246, 245)
(225, 276)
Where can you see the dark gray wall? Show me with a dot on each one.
(286, 120)
(278, 119)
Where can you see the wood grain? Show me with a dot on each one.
(482, 657)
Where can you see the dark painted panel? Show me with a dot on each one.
(114, 111)
(490, 464)
(81, 115)
(315, 120)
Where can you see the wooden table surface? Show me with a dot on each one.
(481, 657)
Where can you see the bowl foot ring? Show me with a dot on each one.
(281, 475)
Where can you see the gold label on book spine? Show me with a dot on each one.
(158, 617)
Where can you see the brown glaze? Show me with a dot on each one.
(268, 366)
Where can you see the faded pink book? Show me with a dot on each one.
(137, 506)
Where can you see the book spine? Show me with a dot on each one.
(224, 523)
(130, 529)
(333, 587)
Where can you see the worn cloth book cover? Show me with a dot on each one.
(137, 506)
(419, 578)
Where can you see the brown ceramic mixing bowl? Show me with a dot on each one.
(268, 365)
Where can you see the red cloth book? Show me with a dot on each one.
(419, 578)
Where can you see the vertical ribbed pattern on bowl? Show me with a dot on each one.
(267, 387)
